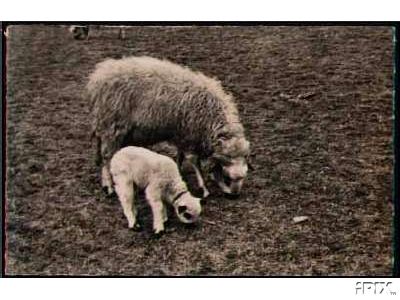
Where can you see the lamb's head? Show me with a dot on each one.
(230, 163)
(187, 207)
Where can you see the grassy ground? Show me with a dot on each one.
(316, 103)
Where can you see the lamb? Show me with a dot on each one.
(143, 100)
(139, 168)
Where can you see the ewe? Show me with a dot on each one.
(142, 101)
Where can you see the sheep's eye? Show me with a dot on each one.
(227, 180)
(187, 216)
(182, 209)
(225, 162)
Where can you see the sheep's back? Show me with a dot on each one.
(164, 100)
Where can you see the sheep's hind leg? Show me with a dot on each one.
(106, 180)
(126, 195)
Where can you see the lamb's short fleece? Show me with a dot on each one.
(135, 168)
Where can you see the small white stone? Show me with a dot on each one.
(300, 219)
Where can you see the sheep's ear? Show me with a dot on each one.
(223, 135)
(218, 158)
(221, 138)
(249, 163)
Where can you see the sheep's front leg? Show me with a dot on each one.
(153, 196)
(164, 214)
(125, 192)
(195, 163)
(180, 159)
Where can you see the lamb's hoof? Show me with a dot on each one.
(104, 189)
(158, 234)
(109, 192)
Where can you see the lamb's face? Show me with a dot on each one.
(188, 208)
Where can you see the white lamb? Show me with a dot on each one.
(139, 168)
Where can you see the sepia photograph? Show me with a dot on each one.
(198, 150)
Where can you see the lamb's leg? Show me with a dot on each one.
(125, 192)
(200, 181)
(153, 196)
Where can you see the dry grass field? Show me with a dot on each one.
(316, 103)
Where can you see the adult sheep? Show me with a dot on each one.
(143, 100)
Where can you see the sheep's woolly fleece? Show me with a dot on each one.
(152, 100)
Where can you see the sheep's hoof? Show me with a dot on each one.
(137, 227)
(201, 193)
(231, 196)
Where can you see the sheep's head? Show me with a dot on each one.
(230, 164)
(187, 208)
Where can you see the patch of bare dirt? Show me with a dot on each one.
(316, 103)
